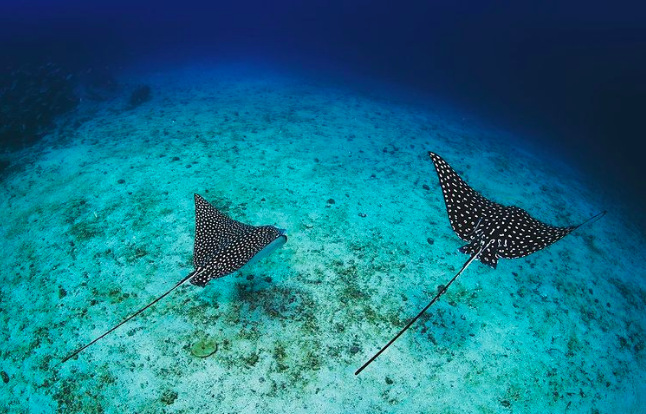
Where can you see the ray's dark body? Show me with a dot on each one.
(512, 231)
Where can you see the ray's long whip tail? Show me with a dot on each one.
(440, 293)
(78, 351)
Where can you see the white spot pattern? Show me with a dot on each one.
(223, 245)
(478, 220)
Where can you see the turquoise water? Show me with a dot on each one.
(98, 219)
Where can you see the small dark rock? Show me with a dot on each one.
(268, 279)
(139, 96)
(140, 252)
(430, 241)
(5, 377)
(354, 349)
(331, 201)
(175, 158)
(623, 342)
(389, 381)
(169, 397)
(426, 187)
(4, 164)
(505, 403)
(362, 214)
(121, 181)
(61, 293)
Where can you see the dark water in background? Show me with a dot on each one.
(569, 75)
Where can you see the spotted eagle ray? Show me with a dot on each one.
(222, 246)
(492, 230)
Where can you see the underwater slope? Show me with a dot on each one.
(99, 219)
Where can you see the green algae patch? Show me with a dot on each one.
(204, 348)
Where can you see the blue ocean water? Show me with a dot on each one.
(104, 147)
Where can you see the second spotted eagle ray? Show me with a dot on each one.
(491, 230)
(222, 246)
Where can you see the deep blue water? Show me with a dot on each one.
(567, 74)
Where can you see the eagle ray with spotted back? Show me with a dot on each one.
(492, 230)
(475, 219)
(222, 246)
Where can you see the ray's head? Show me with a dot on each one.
(271, 238)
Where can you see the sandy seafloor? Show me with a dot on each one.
(98, 219)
